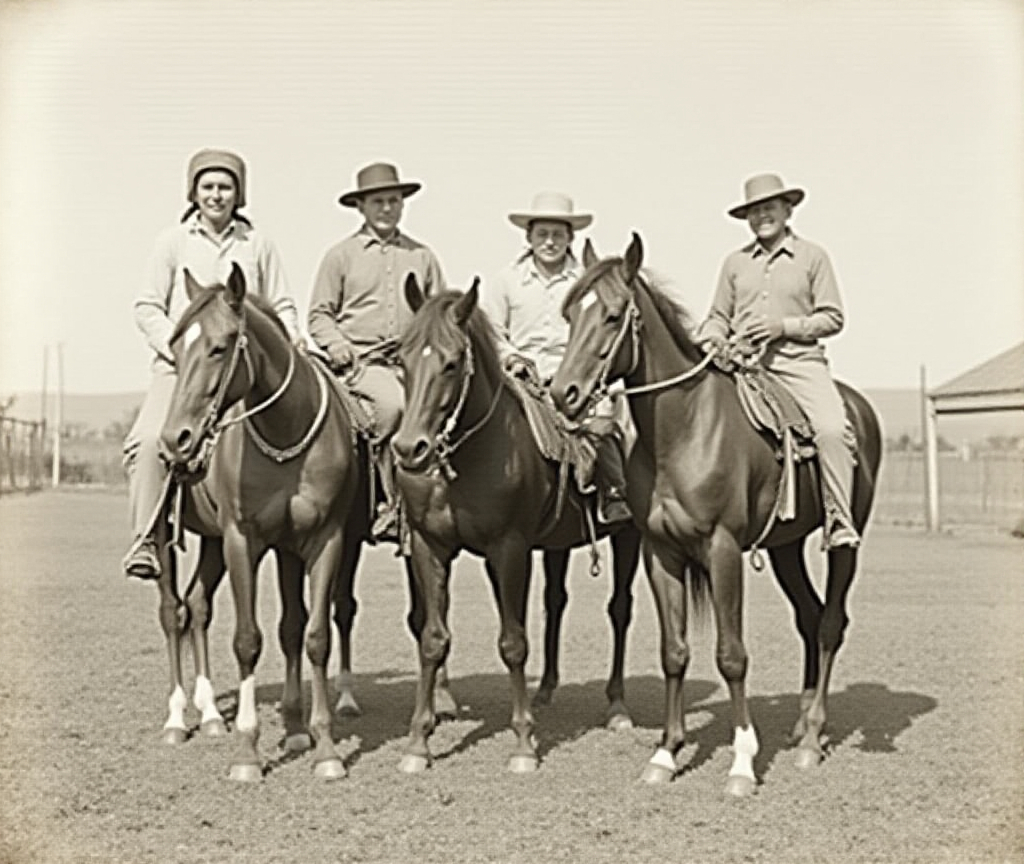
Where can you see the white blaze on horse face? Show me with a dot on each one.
(587, 300)
(427, 351)
(192, 333)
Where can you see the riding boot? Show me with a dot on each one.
(386, 523)
(611, 479)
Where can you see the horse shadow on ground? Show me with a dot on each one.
(866, 716)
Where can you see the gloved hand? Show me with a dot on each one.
(522, 367)
(714, 343)
(342, 360)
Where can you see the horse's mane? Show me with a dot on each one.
(677, 319)
(434, 320)
(207, 295)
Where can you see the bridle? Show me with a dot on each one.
(444, 447)
(631, 327)
(214, 423)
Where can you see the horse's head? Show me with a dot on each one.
(437, 357)
(603, 328)
(208, 343)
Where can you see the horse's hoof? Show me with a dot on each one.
(657, 775)
(620, 722)
(298, 742)
(174, 735)
(739, 786)
(246, 772)
(330, 769)
(808, 757)
(522, 764)
(413, 763)
(348, 707)
(213, 728)
(542, 698)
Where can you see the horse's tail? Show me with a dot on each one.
(698, 581)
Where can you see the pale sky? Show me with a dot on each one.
(903, 121)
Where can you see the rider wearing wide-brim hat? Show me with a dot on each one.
(211, 236)
(524, 303)
(780, 294)
(358, 310)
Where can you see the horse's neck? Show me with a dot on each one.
(293, 406)
(660, 357)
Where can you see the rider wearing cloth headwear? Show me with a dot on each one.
(211, 236)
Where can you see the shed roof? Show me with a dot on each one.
(995, 385)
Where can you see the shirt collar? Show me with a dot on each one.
(369, 237)
(528, 268)
(787, 245)
(234, 228)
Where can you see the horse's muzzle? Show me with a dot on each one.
(184, 453)
(413, 454)
(568, 397)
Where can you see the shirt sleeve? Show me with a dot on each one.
(152, 303)
(826, 316)
(325, 303)
(435, 276)
(723, 307)
(275, 289)
(494, 303)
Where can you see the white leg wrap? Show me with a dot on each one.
(176, 704)
(744, 748)
(246, 720)
(663, 759)
(204, 699)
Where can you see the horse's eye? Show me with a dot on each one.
(218, 350)
(613, 317)
(449, 367)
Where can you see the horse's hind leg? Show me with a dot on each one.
(173, 621)
(791, 573)
(556, 564)
(345, 608)
(625, 556)
(208, 575)
(290, 629)
(842, 565)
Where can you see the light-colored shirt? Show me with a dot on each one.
(358, 298)
(525, 308)
(795, 282)
(208, 258)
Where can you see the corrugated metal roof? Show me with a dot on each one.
(1003, 374)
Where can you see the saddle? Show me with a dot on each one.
(555, 439)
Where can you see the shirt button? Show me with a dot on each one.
(764, 294)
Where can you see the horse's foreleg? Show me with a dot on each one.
(209, 573)
(322, 573)
(510, 572)
(173, 621)
(345, 608)
(445, 707)
(247, 644)
(430, 569)
(842, 565)
(556, 564)
(726, 573)
(290, 629)
(625, 556)
(670, 601)
(791, 574)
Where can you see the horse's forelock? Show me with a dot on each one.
(435, 321)
(590, 277)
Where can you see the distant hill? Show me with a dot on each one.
(900, 410)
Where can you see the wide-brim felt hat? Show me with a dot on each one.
(378, 177)
(553, 207)
(765, 187)
(210, 159)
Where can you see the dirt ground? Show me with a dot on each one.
(926, 761)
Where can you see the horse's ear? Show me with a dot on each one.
(465, 305)
(633, 258)
(234, 290)
(413, 293)
(589, 255)
(192, 288)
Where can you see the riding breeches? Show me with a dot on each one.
(380, 389)
(810, 381)
(146, 470)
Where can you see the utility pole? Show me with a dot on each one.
(58, 414)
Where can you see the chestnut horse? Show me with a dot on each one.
(703, 486)
(285, 480)
(472, 477)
